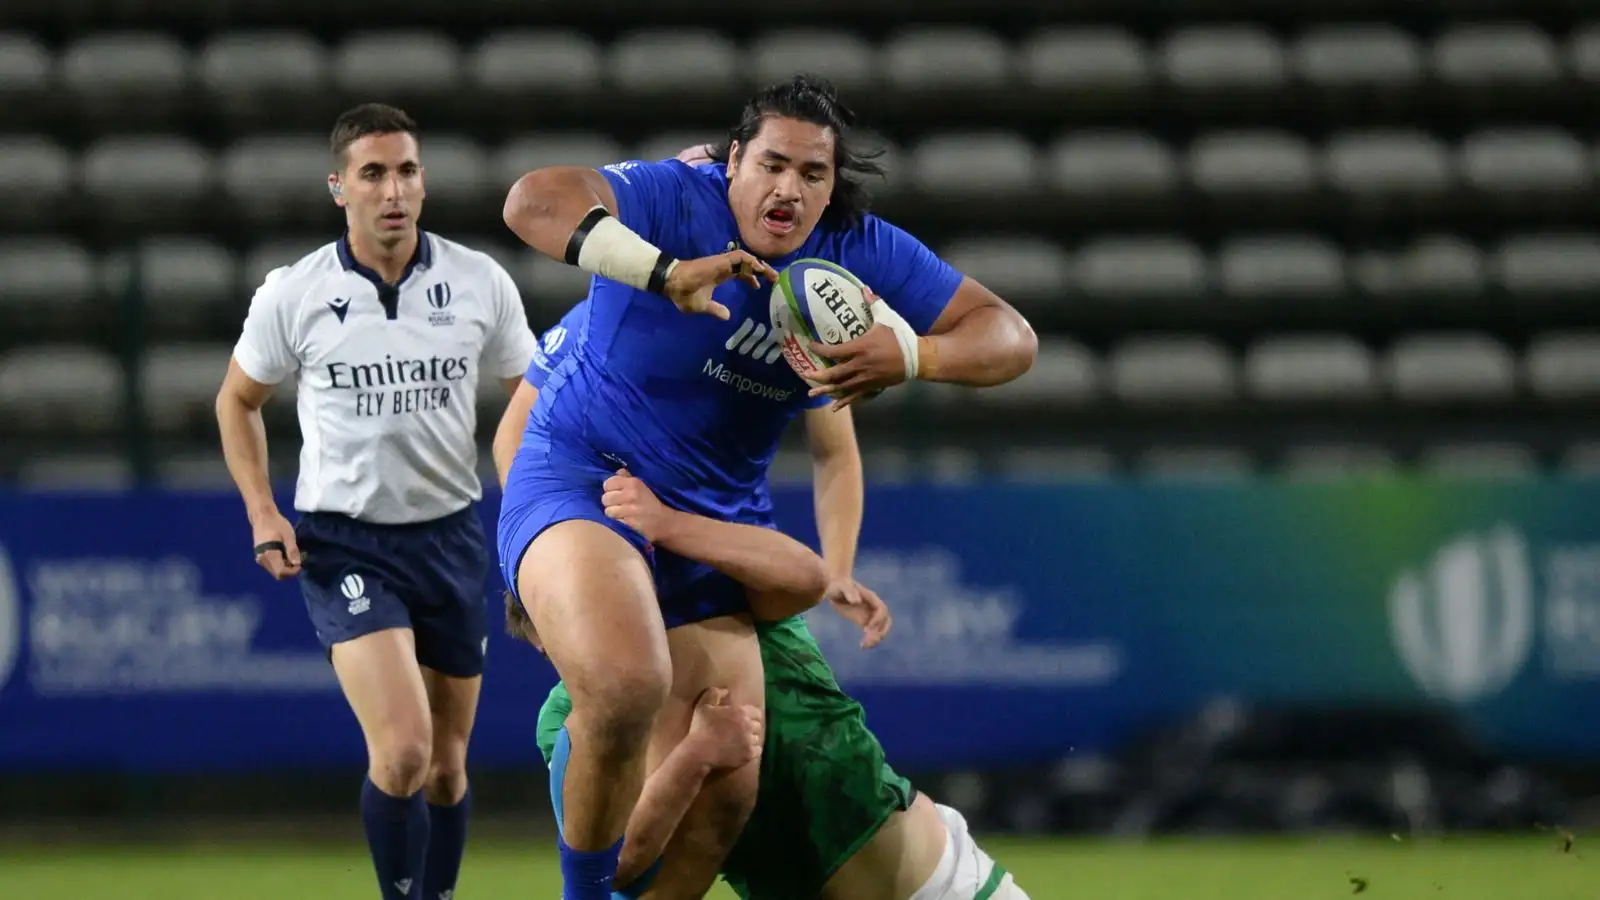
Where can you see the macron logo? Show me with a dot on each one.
(755, 340)
(340, 306)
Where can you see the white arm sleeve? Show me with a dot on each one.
(266, 350)
(511, 344)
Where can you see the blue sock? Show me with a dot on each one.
(588, 876)
(397, 835)
(447, 841)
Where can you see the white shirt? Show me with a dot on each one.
(388, 375)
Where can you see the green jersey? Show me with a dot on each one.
(825, 786)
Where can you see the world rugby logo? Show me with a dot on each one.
(10, 618)
(1463, 626)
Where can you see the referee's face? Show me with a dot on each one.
(381, 187)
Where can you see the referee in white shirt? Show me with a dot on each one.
(389, 329)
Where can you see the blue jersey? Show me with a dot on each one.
(693, 405)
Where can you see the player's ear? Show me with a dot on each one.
(336, 190)
(733, 156)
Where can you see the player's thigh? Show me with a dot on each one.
(721, 652)
(590, 595)
(383, 684)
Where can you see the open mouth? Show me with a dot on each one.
(394, 218)
(778, 221)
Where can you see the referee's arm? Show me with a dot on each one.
(244, 447)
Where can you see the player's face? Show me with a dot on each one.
(381, 187)
(780, 183)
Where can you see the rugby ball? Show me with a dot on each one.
(816, 300)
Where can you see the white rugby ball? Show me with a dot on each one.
(816, 300)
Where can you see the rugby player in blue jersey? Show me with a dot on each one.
(696, 411)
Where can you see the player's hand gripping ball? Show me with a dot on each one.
(826, 316)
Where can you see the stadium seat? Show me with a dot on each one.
(26, 78)
(669, 144)
(1488, 54)
(61, 389)
(1192, 463)
(1583, 53)
(1320, 462)
(1447, 367)
(1507, 161)
(1218, 57)
(1084, 59)
(552, 285)
(269, 255)
(673, 60)
(1535, 266)
(844, 58)
(1343, 56)
(1285, 267)
(398, 64)
(279, 180)
(1252, 162)
(952, 466)
(1480, 461)
(184, 283)
(964, 165)
(45, 278)
(180, 383)
(537, 62)
(1564, 366)
(194, 472)
(1111, 164)
(148, 181)
(1171, 369)
(36, 181)
(1065, 373)
(1433, 265)
(1310, 367)
(537, 150)
(1582, 459)
(125, 78)
(267, 78)
(1386, 163)
(1054, 465)
(1024, 270)
(944, 58)
(75, 472)
(455, 172)
(1114, 268)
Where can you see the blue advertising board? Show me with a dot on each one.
(136, 633)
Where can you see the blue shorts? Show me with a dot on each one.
(548, 486)
(559, 754)
(430, 577)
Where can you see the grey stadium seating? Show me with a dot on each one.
(1244, 235)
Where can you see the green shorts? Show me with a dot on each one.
(825, 786)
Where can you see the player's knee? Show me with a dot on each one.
(400, 765)
(617, 715)
(447, 775)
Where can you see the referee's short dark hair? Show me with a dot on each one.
(368, 118)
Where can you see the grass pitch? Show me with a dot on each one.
(1548, 867)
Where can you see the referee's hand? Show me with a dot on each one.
(276, 550)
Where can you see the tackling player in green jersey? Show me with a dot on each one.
(833, 821)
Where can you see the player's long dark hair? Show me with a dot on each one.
(809, 98)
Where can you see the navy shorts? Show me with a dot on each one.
(430, 577)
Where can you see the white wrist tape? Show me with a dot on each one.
(602, 245)
(903, 333)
